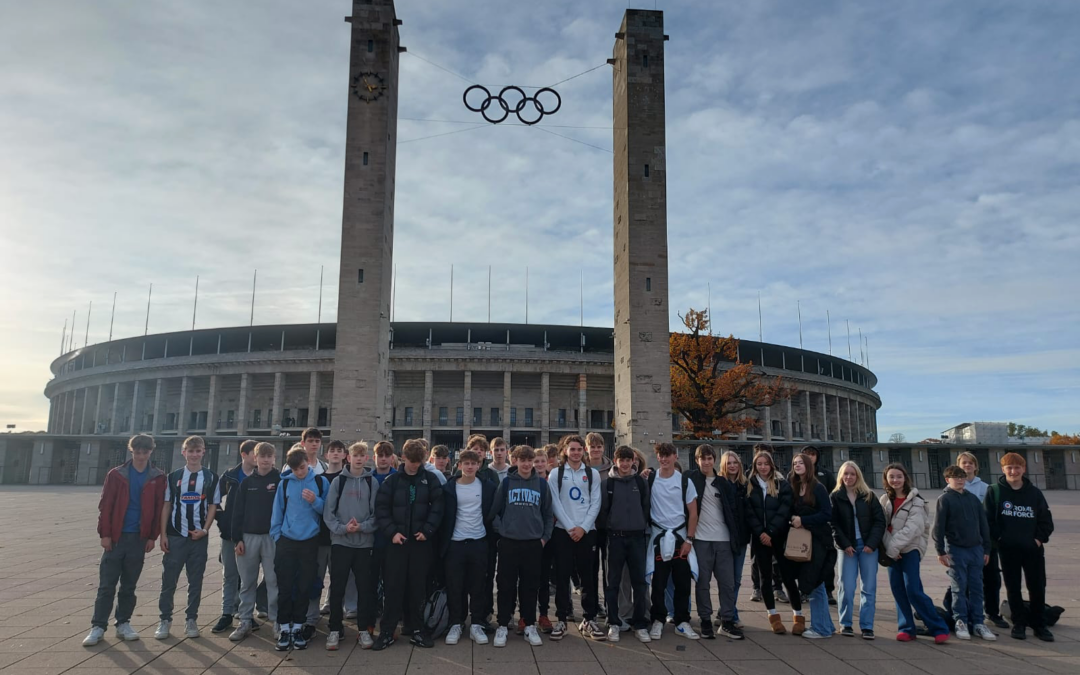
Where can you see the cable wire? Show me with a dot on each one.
(575, 140)
(505, 124)
(447, 70)
(448, 133)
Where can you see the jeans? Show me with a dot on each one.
(184, 554)
(907, 589)
(740, 563)
(864, 567)
(123, 565)
(820, 617)
(715, 560)
(230, 583)
(258, 553)
(965, 575)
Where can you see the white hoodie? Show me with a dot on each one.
(578, 503)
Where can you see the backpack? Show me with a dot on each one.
(341, 477)
(319, 480)
(588, 478)
(436, 614)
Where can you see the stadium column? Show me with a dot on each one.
(506, 406)
(467, 403)
(766, 427)
(279, 394)
(789, 433)
(61, 406)
(82, 414)
(850, 429)
(73, 406)
(583, 411)
(313, 399)
(241, 406)
(860, 434)
(185, 405)
(132, 423)
(97, 408)
(113, 421)
(159, 395)
(545, 408)
(838, 429)
(824, 417)
(804, 415)
(211, 407)
(429, 393)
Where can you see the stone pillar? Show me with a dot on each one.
(185, 408)
(766, 430)
(90, 461)
(97, 408)
(74, 406)
(388, 411)
(133, 423)
(178, 456)
(41, 460)
(211, 408)
(429, 392)
(788, 434)
(82, 414)
(467, 403)
(850, 429)
(159, 408)
(838, 428)
(804, 415)
(873, 423)
(113, 420)
(583, 411)
(313, 399)
(241, 406)
(279, 394)
(859, 422)
(506, 406)
(545, 408)
(824, 418)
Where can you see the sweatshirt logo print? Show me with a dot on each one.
(1016, 511)
(524, 496)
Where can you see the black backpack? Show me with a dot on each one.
(319, 480)
(685, 481)
(341, 477)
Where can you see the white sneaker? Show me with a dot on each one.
(94, 636)
(453, 636)
(332, 641)
(985, 633)
(657, 630)
(686, 630)
(613, 633)
(365, 640)
(962, 631)
(643, 635)
(261, 614)
(500, 636)
(624, 625)
(811, 634)
(325, 609)
(242, 631)
(351, 614)
(124, 631)
(162, 631)
(476, 632)
(191, 629)
(532, 636)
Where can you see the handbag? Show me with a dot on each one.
(800, 545)
(883, 558)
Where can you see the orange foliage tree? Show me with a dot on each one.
(710, 387)
(1064, 439)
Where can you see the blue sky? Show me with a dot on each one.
(912, 168)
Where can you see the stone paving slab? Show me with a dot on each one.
(49, 556)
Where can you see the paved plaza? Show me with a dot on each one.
(48, 577)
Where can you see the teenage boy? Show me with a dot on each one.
(522, 515)
(350, 516)
(673, 510)
(595, 444)
(311, 439)
(294, 527)
(479, 443)
(193, 497)
(230, 585)
(714, 543)
(335, 461)
(251, 508)
(576, 503)
(499, 455)
(440, 460)
(408, 511)
(1020, 526)
(962, 540)
(625, 509)
(129, 522)
(464, 546)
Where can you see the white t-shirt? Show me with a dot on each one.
(502, 472)
(470, 513)
(666, 500)
(711, 525)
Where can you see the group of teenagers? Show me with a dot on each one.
(520, 525)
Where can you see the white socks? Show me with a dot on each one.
(773, 611)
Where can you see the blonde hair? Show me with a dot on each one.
(861, 488)
(968, 455)
(725, 461)
(772, 483)
(358, 448)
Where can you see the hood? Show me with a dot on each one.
(605, 466)
(613, 472)
(1004, 483)
(515, 477)
(347, 472)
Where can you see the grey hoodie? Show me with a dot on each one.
(522, 508)
(351, 497)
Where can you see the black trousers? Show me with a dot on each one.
(628, 551)
(405, 584)
(547, 577)
(575, 556)
(600, 564)
(1032, 563)
(358, 561)
(489, 581)
(774, 572)
(518, 577)
(765, 557)
(465, 566)
(678, 569)
(295, 564)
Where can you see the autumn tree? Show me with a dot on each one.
(1064, 439)
(710, 387)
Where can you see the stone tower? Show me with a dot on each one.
(362, 354)
(642, 372)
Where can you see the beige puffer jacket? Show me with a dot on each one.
(910, 525)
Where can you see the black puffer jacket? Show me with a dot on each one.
(394, 514)
(816, 518)
(769, 515)
(871, 520)
(740, 505)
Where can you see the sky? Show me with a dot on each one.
(911, 169)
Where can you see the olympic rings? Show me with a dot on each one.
(516, 104)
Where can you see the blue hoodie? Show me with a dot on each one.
(302, 520)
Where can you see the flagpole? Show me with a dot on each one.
(848, 323)
(451, 292)
(86, 337)
(63, 338)
(828, 320)
(798, 304)
(150, 294)
(760, 331)
(112, 316)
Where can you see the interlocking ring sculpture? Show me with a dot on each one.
(517, 103)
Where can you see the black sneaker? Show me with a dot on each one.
(384, 640)
(421, 640)
(781, 596)
(284, 640)
(756, 595)
(1018, 633)
(298, 639)
(223, 624)
(868, 635)
(729, 630)
(998, 621)
(804, 598)
(255, 624)
(487, 626)
(308, 633)
(706, 631)
(832, 601)
(1043, 634)
(847, 632)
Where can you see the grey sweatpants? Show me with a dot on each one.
(258, 552)
(230, 583)
(715, 559)
(184, 554)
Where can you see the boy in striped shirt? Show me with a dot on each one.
(192, 498)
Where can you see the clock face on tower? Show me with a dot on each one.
(368, 87)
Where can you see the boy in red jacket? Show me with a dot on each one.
(129, 523)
